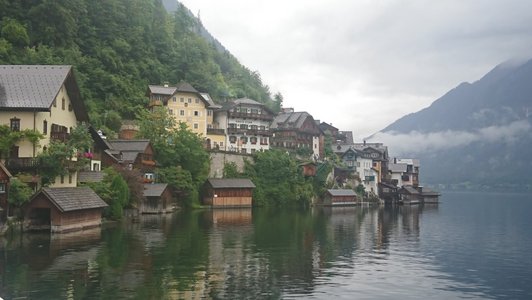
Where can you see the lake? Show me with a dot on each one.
(471, 245)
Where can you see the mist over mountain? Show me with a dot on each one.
(476, 135)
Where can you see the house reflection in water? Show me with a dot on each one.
(229, 216)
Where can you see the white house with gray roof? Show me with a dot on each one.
(247, 125)
(43, 98)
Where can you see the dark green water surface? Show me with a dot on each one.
(472, 245)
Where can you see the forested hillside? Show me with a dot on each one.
(118, 47)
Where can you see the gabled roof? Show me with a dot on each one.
(341, 192)
(181, 87)
(291, 120)
(161, 90)
(130, 145)
(72, 198)
(98, 140)
(35, 87)
(208, 98)
(397, 168)
(154, 189)
(409, 189)
(244, 102)
(227, 183)
(186, 87)
(90, 176)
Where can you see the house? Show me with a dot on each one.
(228, 192)
(388, 192)
(45, 99)
(297, 130)
(376, 153)
(411, 175)
(157, 199)
(358, 163)
(328, 129)
(63, 209)
(428, 196)
(132, 154)
(338, 197)
(409, 195)
(247, 126)
(184, 103)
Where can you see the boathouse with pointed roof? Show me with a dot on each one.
(228, 192)
(63, 209)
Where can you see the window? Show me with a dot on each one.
(63, 104)
(62, 178)
(209, 113)
(253, 140)
(186, 104)
(196, 113)
(244, 150)
(15, 124)
(69, 177)
(196, 126)
(181, 112)
(45, 127)
(181, 100)
(232, 125)
(264, 141)
(2, 188)
(189, 100)
(174, 99)
(197, 101)
(54, 103)
(171, 111)
(243, 126)
(221, 144)
(244, 140)
(69, 107)
(232, 139)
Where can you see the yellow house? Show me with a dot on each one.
(184, 103)
(43, 98)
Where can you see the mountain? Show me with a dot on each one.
(476, 135)
(118, 47)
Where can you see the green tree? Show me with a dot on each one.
(15, 33)
(231, 170)
(19, 193)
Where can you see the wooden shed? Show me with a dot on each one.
(157, 199)
(409, 195)
(335, 197)
(229, 192)
(63, 209)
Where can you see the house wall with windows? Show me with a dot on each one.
(44, 99)
(190, 109)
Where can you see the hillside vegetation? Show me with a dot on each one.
(118, 47)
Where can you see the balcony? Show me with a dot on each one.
(59, 136)
(246, 115)
(154, 102)
(249, 131)
(21, 164)
(215, 131)
(147, 160)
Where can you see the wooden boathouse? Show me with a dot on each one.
(229, 192)
(338, 197)
(63, 209)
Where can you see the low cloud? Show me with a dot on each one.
(417, 142)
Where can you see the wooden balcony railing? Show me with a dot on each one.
(59, 136)
(247, 115)
(21, 164)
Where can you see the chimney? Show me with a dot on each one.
(364, 142)
(395, 160)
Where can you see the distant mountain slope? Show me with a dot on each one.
(478, 134)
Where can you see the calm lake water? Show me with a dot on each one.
(472, 245)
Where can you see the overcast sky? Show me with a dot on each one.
(362, 64)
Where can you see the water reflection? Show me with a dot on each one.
(243, 253)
